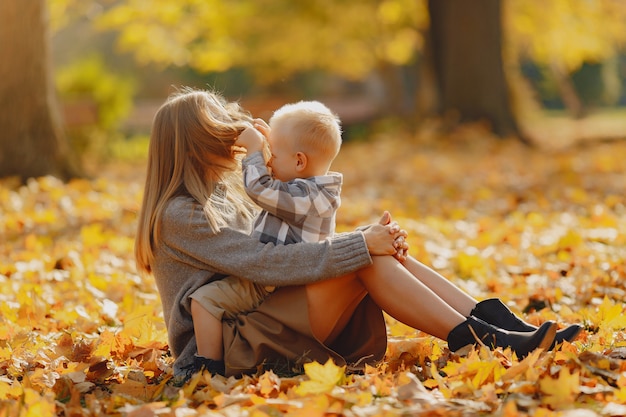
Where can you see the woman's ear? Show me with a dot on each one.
(301, 161)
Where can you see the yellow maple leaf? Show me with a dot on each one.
(110, 343)
(10, 391)
(142, 325)
(486, 372)
(611, 314)
(36, 405)
(322, 378)
(562, 391)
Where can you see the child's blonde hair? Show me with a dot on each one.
(191, 153)
(313, 126)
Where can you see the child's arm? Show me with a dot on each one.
(251, 139)
(291, 201)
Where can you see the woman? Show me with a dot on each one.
(194, 228)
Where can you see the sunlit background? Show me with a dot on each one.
(371, 61)
(493, 130)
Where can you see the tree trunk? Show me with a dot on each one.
(466, 51)
(32, 142)
(399, 100)
(567, 91)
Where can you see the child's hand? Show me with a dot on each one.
(262, 127)
(251, 139)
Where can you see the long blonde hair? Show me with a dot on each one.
(191, 153)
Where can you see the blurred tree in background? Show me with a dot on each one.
(466, 53)
(409, 59)
(33, 143)
(561, 37)
(95, 99)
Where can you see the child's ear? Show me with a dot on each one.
(301, 161)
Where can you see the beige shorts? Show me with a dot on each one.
(228, 297)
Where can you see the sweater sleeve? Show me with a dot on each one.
(292, 201)
(186, 235)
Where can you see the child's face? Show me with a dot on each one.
(283, 161)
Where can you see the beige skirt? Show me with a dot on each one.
(278, 334)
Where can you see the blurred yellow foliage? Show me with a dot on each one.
(566, 32)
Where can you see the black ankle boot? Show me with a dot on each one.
(522, 343)
(495, 312)
(200, 363)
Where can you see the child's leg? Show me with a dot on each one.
(219, 300)
(208, 330)
(446, 290)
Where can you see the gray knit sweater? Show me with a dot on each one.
(189, 255)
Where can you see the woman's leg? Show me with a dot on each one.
(392, 287)
(493, 310)
(407, 299)
(446, 290)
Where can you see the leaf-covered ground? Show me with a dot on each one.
(81, 334)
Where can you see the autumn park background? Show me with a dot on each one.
(493, 130)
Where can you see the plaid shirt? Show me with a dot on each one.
(300, 210)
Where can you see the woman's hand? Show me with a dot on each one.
(401, 245)
(402, 249)
(386, 238)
